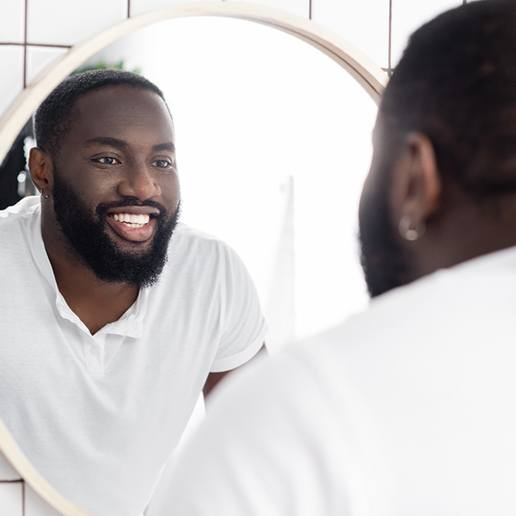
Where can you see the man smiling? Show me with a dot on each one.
(111, 326)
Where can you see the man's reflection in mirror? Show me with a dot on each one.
(115, 315)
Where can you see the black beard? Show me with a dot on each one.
(89, 241)
(383, 259)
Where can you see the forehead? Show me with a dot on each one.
(123, 112)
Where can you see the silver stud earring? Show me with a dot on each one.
(45, 195)
(408, 230)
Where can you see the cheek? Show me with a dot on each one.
(170, 189)
(94, 191)
(92, 194)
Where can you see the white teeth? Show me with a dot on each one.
(131, 219)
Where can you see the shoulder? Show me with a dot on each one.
(188, 243)
(283, 438)
(427, 308)
(15, 224)
(185, 235)
(23, 209)
(264, 390)
(406, 336)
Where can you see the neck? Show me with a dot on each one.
(467, 233)
(94, 301)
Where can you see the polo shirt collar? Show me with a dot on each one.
(130, 323)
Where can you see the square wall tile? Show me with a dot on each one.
(11, 71)
(35, 505)
(7, 472)
(12, 21)
(61, 22)
(39, 58)
(296, 7)
(364, 24)
(408, 15)
(143, 6)
(11, 503)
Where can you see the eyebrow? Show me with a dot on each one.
(122, 144)
(108, 140)
(164, 146)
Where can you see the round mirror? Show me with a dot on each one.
(273, 144)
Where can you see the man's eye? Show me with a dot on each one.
(106, 160)
(163, 163)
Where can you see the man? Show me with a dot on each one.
(111, 326)
(406, 408)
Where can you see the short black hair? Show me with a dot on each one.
(52, 118)
(456, 83)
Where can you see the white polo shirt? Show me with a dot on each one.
(99, 415)
(406, 409)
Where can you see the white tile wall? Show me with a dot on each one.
(11, 71)
(63, 22)
(35, 505)
(408, 15)
(296, 7)
(7, 472)
(11, 499)
(365, 24)
(12, 494)
(142, 6)
(12, 21)
(38, 58)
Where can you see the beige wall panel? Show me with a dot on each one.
(408, 15)
(62, 22)
(11, 21)
(363, 23)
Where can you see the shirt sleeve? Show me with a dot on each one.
(259, 452)
(243, 324)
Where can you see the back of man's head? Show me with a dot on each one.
(53, 117)
(456, 83)
(443, 178)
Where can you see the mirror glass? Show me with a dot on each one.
(273, 144)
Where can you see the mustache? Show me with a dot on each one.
(104, 207)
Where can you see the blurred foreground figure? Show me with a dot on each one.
(406, 409)
(114, 317)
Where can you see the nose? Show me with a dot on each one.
(139, 182)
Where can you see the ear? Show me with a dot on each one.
(416, 187)
(41, 169)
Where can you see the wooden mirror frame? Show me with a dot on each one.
(368, 75)
(10, 451)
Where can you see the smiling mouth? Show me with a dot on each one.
(132, 227)
(132, 220)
